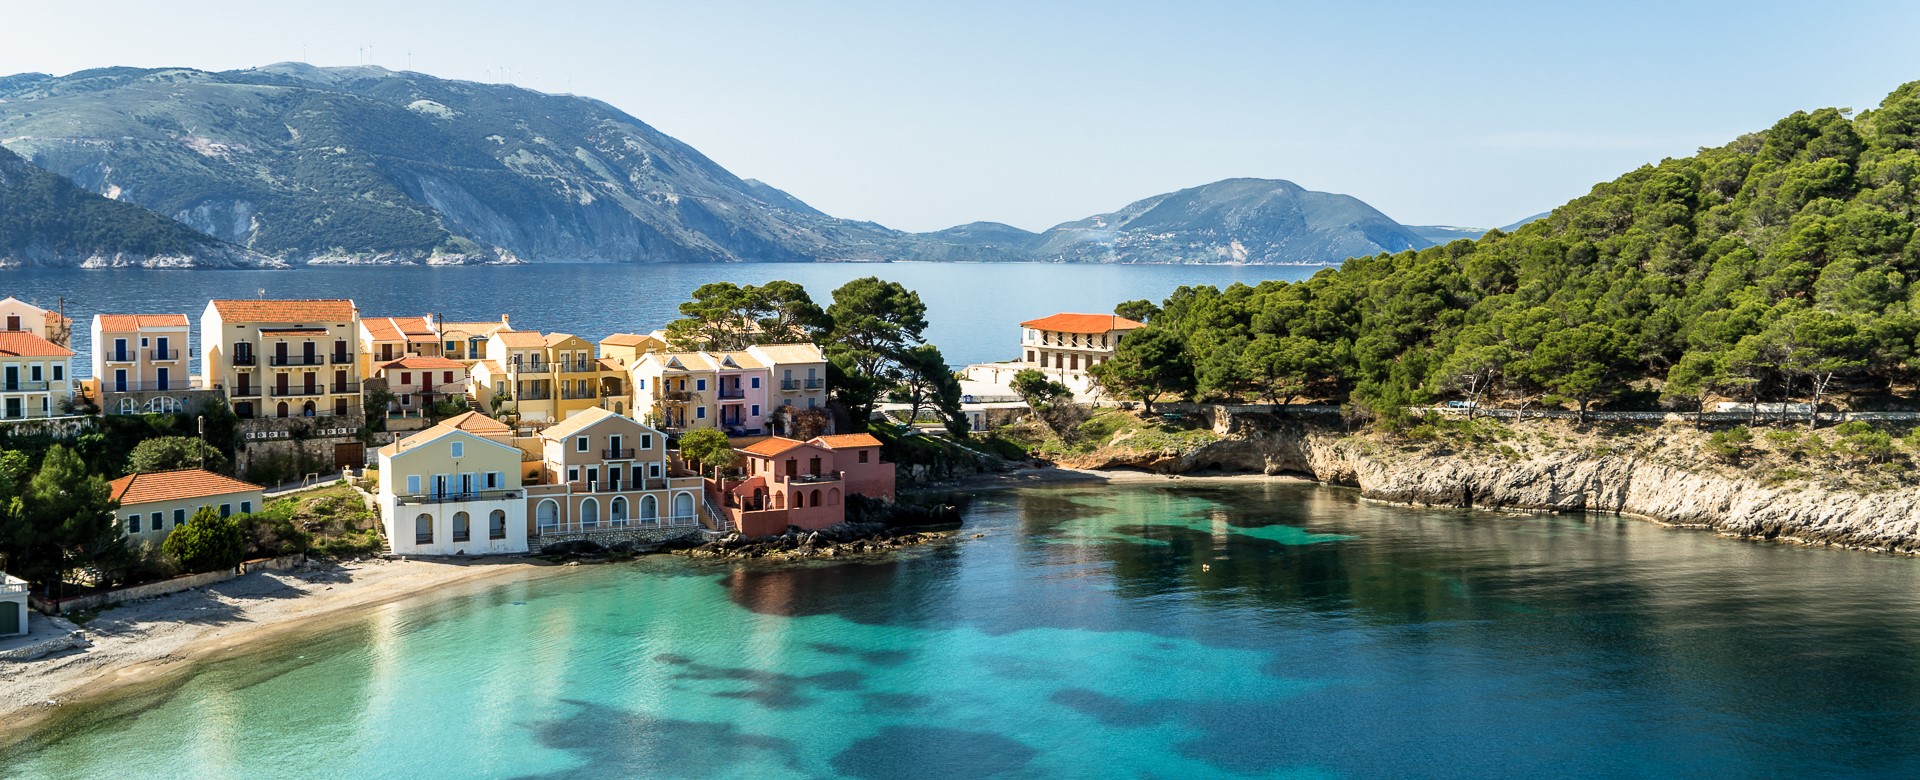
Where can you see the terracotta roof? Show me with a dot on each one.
(399, 329)
(305, 310)
(846, 440)
(477, 424)
(554, 339)
(422, 361)
(581, 420)
(19, 343)
(788, 353)
(176, 485)
(521, 338)
(126, 323)
(491, 366)
(1082, 323)
(609, 364)
(772, 445)
(740, 360)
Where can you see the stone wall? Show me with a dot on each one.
(57, 427)
(163, 587)
(640, 537)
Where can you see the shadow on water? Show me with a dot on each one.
(617, 743)
(908, 752)
(772, 690)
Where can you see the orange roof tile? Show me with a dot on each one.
(1082, 323)
(521, 338)
(127, 323)
(417, 362)
(19, 343)
(772, 445)
(627, 339)
(175, 485)
(476, 423)
(846, 440)
(299, 310)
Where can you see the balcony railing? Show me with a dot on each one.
(29, 414)
(732, 393)
(295, 360)
(832, 476)
(620, 454)
(163, 354)
(297, 391)
(338, 388)
(123, 356)
(245, 391)
(145, 387)
(576, 366)
(245, 359)
(11, 586)
(342, 358)
(614, 524)
(456, 498)
(24, 386)
(528, 366)
(798, 384)
(680, 396)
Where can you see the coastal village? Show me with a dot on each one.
(479, 439)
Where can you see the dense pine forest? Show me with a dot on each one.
(1778, 267)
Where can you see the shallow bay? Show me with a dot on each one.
(1149, 630)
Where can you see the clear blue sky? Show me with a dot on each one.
(925, 116)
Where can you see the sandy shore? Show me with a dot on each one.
(145, 640)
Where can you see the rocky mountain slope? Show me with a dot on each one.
(367, 165)
(47, 221)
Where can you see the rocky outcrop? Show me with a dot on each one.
(1549, 480)
(838, 541)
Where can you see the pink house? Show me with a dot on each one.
(802, 484)
(741, 397)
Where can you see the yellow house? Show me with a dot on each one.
(516, 370)
(152, 504)
(453, 489)
(283, 358)
(467, 341)
(673, 391)
(386, 339)
(604, 472)
(18, 316)
(36, 376)
(584, 381)
(625, 349)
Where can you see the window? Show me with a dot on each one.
(646, 441)
(179, 517)
(580, 444)
(755, 383)
(756, 410)
(33, 372)
(133, 524)
(413, 484)
(461, 531)
(497, 525)
(593, 474)
(643, 384)
(156, 522)
(493, 480)
(59, 372)
(653, 470)
(700, 413)
(246, 507)
(863, 456)
(812, 402)
(226, 510)
(451, 347)
(406, 377)
(459, 449)
(446, 376)
(573, 473)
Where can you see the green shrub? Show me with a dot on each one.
(272, 532)
(1729, 445)
(208, 542)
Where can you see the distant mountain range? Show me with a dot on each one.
(46, 221)
(292, 163)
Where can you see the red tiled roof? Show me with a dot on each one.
(127, 323)
(846, 440)
(176, 485)
(422, 361)
(19, 343)
(772, 445)
(304, 310)
(521, 338)
(476, 423)
(626, 339)
(1082, 323)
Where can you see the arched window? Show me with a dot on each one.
(816, 497)
(129, 406)
(833, 496)
(649, 509)
(497, 524)
(306, 409)
(282, 409)
(423, 529)
(547, 516)
(462, 527)
(590, 513)
(617, 510)
(682, 508)
(780, 500)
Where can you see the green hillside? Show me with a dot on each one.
(1778, 266)
(47, 221)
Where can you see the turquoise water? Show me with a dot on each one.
(1153, 631)
(973, 310)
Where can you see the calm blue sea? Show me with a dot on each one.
(1154, 631)
(974, 310)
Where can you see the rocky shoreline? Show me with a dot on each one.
(1644, 481)
(838, 541)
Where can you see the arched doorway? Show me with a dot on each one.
(497, 524)
(649, 510)
(281, 409)
(307, 409)
(590, 513)
(462, 527)
(547, 516)
(617, 510)
(682, 508)
(815, 498)
(423, 529)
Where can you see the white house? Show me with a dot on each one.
(453, 489)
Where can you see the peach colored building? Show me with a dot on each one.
(802, 484)
(18, 316)
(36, 376)
(283, 358)
(418, 383)
(604, 471)
(141, 363)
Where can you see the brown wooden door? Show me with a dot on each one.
(350, 454)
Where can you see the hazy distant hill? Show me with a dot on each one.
(1236, 220)
(47, 221)
(1436, 235)
(364, 164)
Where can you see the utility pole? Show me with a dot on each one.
(201, 422)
